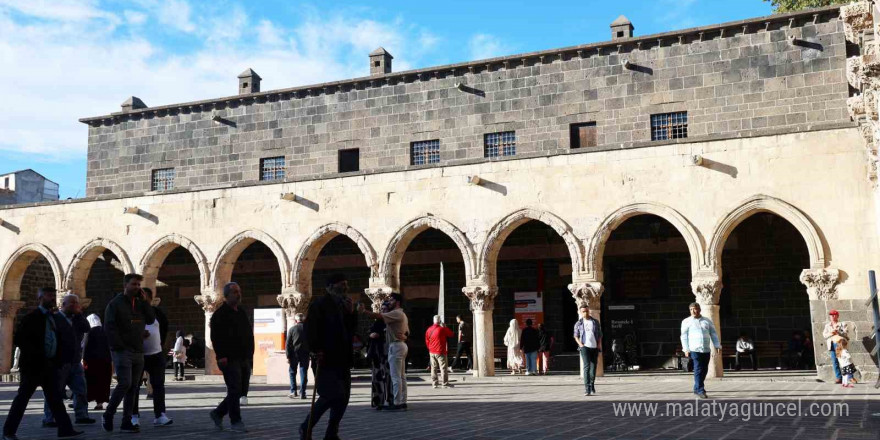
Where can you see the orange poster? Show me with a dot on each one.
(528, 305)
(268, 336)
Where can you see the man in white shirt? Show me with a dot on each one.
(696, 333)
(588, 335)
(745, 347)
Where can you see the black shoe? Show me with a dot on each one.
(128, 427)
(303, 397)
(593, 389)
(149, 396)
(107, 422)
(217, 419)
(302, 433)
(85, 421)
(71, 434)
(52, 424)
(703, 396)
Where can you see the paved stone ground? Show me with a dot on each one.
(511, 408)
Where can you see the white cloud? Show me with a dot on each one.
(134, 18)
(67, 10)
(483, 46)
(175, 13)
(268, 34)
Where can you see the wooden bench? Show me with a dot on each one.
(763, 349)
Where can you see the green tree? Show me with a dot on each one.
(796, 5)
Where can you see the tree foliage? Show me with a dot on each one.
(796, 5)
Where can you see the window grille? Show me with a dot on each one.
(163, 179)
(669, 126)
(272, 168)
(500, 144)
(425, 152)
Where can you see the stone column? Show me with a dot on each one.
(292, 302)
(378, 295)
(8, 309)
(822, 290)
(707, 289)
(209, 301)
(589, 293)
(482, 303)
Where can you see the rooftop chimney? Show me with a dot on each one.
(248, 82)
(380, 62)
(132, 104)
(621, 28)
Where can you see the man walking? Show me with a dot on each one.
(125, 321)
(530, 343)
(38, 363)
(154, 366)
(233, 339)
(297, 350)
(588, 335)
(396, 332)
(330, 330)
(435, 340)
(70, 327)
(464, 344)
(834, 328)
(696, 333)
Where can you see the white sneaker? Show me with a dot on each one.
(135, 420)
(242, 401)
(163, 420)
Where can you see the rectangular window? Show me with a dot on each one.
(499, 144)
(272, 168)
(669, 126)
(349, 160)
(583, 135)
(163, 179)
(425, 152)
(6, 183)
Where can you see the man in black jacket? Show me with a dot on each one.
(530, 343)
(233, 340)
(330, 328)
(297, 350)
(38, 341)
(70, 326)
(125, 320)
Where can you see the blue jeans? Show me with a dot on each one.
(701, 369)
(834, 364)
(301, 366)
(532, 362)
(73, 376)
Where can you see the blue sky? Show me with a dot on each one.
(67, 59)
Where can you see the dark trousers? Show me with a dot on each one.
(590, 359)
(48, 381)
(751, 354)
(463, 347)
(154, 365)
(73, 376)
(236, 374)
(129, 368)
(298, 364)
(701, 369)
(179, 372)
(334, 389)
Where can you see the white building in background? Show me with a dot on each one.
(26, 186)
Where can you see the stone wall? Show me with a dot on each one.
(733, 81)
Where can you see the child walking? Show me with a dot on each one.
(847, 369)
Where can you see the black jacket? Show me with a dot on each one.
(232, 334)
(124, 321)
(529, 340)
(70, 337)
(297, 346)
(330, 329)
(30, 338)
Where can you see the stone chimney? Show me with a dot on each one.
(380, 62)
(248, 82)
(132, 104)
(621, 28)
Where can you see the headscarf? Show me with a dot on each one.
(512, 337)
(179, 334)
(94, 320)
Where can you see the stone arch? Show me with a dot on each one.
(81, 264)
(227, 257)
(692, 237)
(153, 259)
(499, 233)
(389, 267)
(309, 251)
(763, 203)
(17, 264)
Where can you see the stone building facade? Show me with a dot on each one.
(704, 129)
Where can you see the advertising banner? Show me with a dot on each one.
(268, 336)
(528, 305)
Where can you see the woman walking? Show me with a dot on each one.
(377, 356)
(97, 363)
(179, 353)
(512, 340)
(545, 341)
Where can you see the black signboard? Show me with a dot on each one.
(623, 337)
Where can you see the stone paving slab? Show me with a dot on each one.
(528, 408)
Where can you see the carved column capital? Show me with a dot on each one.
(378, 295)
(9, 308)
(856, 18)
(209, 300)
(482, 297)
(821, 283)
(293, 302)
(588, 293)
(706, 288)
